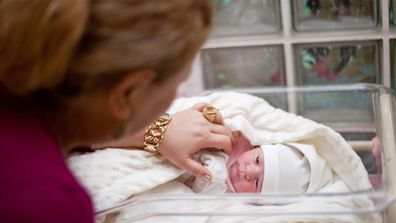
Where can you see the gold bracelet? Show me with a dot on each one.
(155, 133)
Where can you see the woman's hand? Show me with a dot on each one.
(188, 132)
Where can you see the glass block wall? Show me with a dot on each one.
(261, 43)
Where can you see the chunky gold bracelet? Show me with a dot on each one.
(155, 133)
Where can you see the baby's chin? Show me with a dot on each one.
(232, 174)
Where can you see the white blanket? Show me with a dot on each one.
(113, 175)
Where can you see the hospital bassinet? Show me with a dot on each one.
(362, 114)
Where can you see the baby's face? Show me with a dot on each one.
(247, 172)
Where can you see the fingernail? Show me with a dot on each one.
(207, 178)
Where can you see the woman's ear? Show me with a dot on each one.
(120, 97)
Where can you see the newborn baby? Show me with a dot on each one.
(266, 169)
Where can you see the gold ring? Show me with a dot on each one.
(210, 113)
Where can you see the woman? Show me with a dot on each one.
(76, 72)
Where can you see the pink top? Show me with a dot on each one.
(36, 185)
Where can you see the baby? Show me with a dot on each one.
(266, 169)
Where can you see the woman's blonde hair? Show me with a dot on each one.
(75, 44)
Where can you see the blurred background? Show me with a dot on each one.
(259, 43)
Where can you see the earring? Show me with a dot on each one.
(119, 130)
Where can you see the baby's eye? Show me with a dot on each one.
(257, 160)
(257, 182)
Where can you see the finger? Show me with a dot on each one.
(219, 118)
(219, 141)
(197, 169)
(222, 130)
(200, 106)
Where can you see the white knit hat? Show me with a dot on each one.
(286, 170)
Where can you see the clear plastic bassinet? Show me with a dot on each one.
(363, 114)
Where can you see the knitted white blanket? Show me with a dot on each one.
(114, 175)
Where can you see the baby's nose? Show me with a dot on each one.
(243, 172)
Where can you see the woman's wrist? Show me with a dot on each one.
(155, 133)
